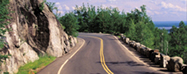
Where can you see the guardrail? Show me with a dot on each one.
(171, 63)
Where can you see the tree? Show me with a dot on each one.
(131, 33)
(161, 40)
(82, 16)
(71, 24)
(52, 8)
(178, 43)
(4, 11)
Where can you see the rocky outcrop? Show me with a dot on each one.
(34, 30)
(175, 64)
(164, 60)
(184, 71)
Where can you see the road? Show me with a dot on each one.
(100, 54)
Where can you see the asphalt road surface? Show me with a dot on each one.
(100, 54)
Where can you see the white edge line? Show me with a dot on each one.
(130, 52)
(70, 57)
(137, 57)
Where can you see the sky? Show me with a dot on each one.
(158, 10)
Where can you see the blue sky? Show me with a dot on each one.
(158, 10)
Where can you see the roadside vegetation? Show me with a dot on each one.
(34, 67)
(3, 22)
(136, 25)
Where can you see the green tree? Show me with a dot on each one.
(91, 17)
(4, 11)
(82, 16)
(178, 41)
(131, 33)
(161, 40)
(53, 9)
(144, 35)
(116, 22)
(71, 24)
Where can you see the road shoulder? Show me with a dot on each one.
(143, 59)
(54, 67)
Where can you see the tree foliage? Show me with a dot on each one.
(136, 25)
(178, 43)
(69, 21)
(4, 11)
(53, 9)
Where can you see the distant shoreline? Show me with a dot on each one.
(167, 24)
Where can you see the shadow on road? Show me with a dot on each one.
(140, 72)
(129, 63)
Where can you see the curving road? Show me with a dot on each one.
(100, 54)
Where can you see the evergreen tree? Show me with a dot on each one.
(4, 11)
(52, 8)
(71, 24)
(178, 43)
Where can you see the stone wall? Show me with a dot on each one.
(171, 63)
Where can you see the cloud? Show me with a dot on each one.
(157, 9)
(172, 7)
(150, 12)
(113, 6)
(154, 2)
(103, 6)
(111, 1)
(57, 3)
(73, 8)
(156, 12)
(66, 7)
(183, 0)
(60, 7)
(61, 12)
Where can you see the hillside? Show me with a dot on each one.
(33, 31)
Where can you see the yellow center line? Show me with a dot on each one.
(102, 58)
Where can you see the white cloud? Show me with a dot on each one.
(156, 12)
(173, 7)
(138, 8)
(57, 3)
(157, 9)
(104, 6)
(155, 2)
(113, 6)
(61, 12)
(111, 1)
(66, 7)
(73, 8)
(184, 0)
(60, 7)
(150, 12)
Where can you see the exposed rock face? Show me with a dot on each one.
(33, 31)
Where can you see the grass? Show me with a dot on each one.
(32, 67)
(118, 36)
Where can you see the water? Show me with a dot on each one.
(167, 24)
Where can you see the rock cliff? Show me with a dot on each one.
(34, 30)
